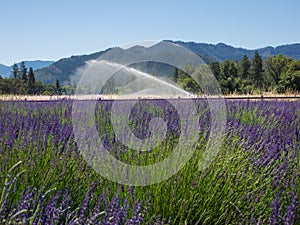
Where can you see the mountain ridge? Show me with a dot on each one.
(5, 70)
(64, 68)
(221, 51)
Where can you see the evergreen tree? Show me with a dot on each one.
(15, 71)
(215, 69)
(245, 65)
(257, 70)
(229, 69)
(229, 74)
(175, 75)
(31, 81)
(23, 71)
(58, 88)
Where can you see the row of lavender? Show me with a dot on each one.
(44, 180)
(254, 180)
(270, 131)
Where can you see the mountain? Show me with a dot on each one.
(63, 69)
(5, 71)
(221, 51)
(36, 64)
(163, 52)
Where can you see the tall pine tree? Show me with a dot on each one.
(58, 88)
(175, 75)
(216, 70)
(23, 71)
(257, 70)
(245, 65)
(31, 81)
(15, 71)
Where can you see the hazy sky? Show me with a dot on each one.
(52, 29)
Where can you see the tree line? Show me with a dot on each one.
(276, 74)
(22, 82)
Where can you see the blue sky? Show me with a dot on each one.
(40, 29)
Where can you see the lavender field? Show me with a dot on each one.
(253, 180)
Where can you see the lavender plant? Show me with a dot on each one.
(254, 179)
